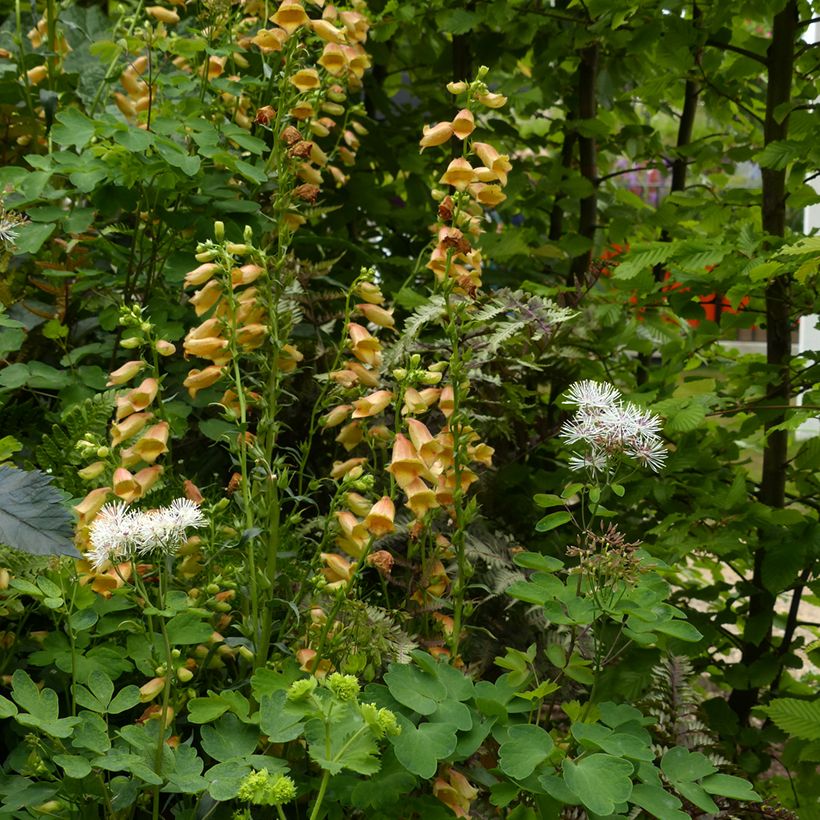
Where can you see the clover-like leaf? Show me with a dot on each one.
(600, 781)
(525, 748)
(419, 749)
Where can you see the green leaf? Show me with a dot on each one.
(7, 708)
(726, 785)
(525, 748)
(185, 776)
(206, 710)
(679, 765)
(600, 781)
(91, 733)
(682, 630)
(73, 765)
(415, 689)
(42, 707)
(534, 560)
(657, 801)
(188, 628)
(127, 698)
(346, 744)
(32, 516)
(278, 722)
(799, 718)
(74, 128)
(419, 749)
(553, 520)
(457, 21)
(695, 794)
(229, 738)
(31, 236)
(547, 500)
(642, 256)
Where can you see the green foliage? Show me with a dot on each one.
(33, 518)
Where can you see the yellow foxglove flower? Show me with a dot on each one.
(378, 315)
(250, 337)
(372, 404)
(245, 275)
(426, 446)
(327, 31)
(365, 347)
(492, 100)
(379, 520)
(333, 59)
(198, 380)
(459, 174)
(437, 134)
(358, 504)
(420, 498)
(498, 164)
(464, 124)
(489, 195)
(205, 298)
(125, 373)
(91, 504)
(350, 435)
(123, 430)
(167, 16)
(290, 15)
(365, 377)
(370, 292)
(446, 401)
(270, 39)
(91, 471)
(124, 485)
(147, 477)
(289, 358)
(353, 466)
(405, 463)
(154, 443)
(142, 395)
(336, 416)
(306, 79)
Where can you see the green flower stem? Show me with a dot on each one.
(321, 796)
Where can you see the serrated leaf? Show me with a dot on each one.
(32, 516)
(343, 744)
(642, 256)
(799, 718)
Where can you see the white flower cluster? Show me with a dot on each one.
(610, 427)
(118, 533)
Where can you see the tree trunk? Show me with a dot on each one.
(587, 155)
(757, 632)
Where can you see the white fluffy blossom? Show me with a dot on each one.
(608, 427)
(118, 533)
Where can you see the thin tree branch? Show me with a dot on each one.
(745, 52)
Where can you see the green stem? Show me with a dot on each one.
(321, 796)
